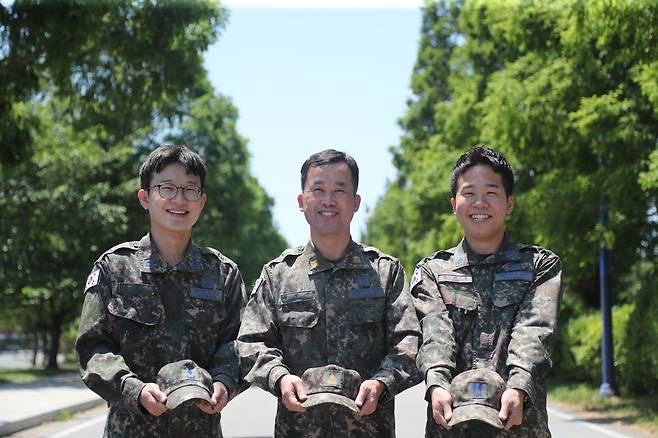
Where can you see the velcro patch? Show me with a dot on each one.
(513, 275)
(448, 278)
(371, 292)
(206, 294)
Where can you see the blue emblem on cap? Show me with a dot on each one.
(477, 390)
(148, 264)
(189, 373)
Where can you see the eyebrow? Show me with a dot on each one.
(468, 186)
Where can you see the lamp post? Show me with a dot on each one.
(606, 389)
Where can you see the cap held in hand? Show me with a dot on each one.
(331, 384)
(184, 380)
(476, 397)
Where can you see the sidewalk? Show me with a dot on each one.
(25, 405)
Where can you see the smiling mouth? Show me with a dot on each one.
(479, 217)
(328, 213)
(177, 212)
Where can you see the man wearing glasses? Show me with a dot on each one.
(160, 300)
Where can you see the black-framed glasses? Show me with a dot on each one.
(169, 191)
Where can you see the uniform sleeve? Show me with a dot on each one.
(534, 327)
(436, 358)
(225, 364)
(259, 341)
(102, 367)
(398, 368)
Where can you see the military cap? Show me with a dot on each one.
(331, 384)
(476, 397)
(184, 380)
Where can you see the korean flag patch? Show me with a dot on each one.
(92, 279)
(415, 278)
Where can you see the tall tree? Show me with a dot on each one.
(101, 82)
(567, 90)
(119, 64)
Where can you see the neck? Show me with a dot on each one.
(485, 247)
(331, 248)
(171, 245)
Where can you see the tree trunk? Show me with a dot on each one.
(35, 348)
(53, 350)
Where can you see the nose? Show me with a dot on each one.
(328, 198)
(480, 199)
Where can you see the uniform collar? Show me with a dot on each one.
(508, 251)
(151, 260)
(354, 258)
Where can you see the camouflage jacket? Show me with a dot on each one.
(306, 311)
(498, 312)
(140, 314)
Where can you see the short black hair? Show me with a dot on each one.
(167, 154)
(331, 156)
(483, 155)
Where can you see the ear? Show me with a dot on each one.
(452, 204)
(357, 202)
(300, 202)
(143, 197)
(510, 204)
(202, 200)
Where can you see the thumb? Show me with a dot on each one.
(159, 395)
(361, 396)
(299, 389)
(504, 412)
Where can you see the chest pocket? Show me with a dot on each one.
(366, 305)
(298, 309)
(456, 292)
(510, 287)
(138, 303)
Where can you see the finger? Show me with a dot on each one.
(504, 412)
(361, 396)
(205, 407)
(221, 403)
(369, 406)
(291, 402)
(439, 415)
(447, 412)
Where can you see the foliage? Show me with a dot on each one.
(102, 83)
(237, 218)
(120, 64)
(568, 92)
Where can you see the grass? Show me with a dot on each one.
(22, 375)
(638, 411)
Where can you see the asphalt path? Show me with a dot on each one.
(251, 415)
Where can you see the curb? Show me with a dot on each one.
(26, 423)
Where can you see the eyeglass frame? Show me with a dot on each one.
(181, 188)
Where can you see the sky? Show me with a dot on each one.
(310, 75)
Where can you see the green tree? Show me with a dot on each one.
(568, 91)
(104, 82)
(119, 64)
(237, 218)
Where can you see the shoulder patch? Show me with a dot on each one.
(416, 277)
(93, 278)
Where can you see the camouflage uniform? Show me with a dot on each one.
(497, 311)
(306, 311)
(143, 314)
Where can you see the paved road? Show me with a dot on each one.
(252, 415)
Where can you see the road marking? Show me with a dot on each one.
(79, 427)
(586, 423)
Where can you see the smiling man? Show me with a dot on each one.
(488, 303)
(338, 307)
(160, 300)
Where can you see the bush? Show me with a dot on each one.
(583, 344)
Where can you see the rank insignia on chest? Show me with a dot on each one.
(207, 282)
(356, 259)
(313, 263)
